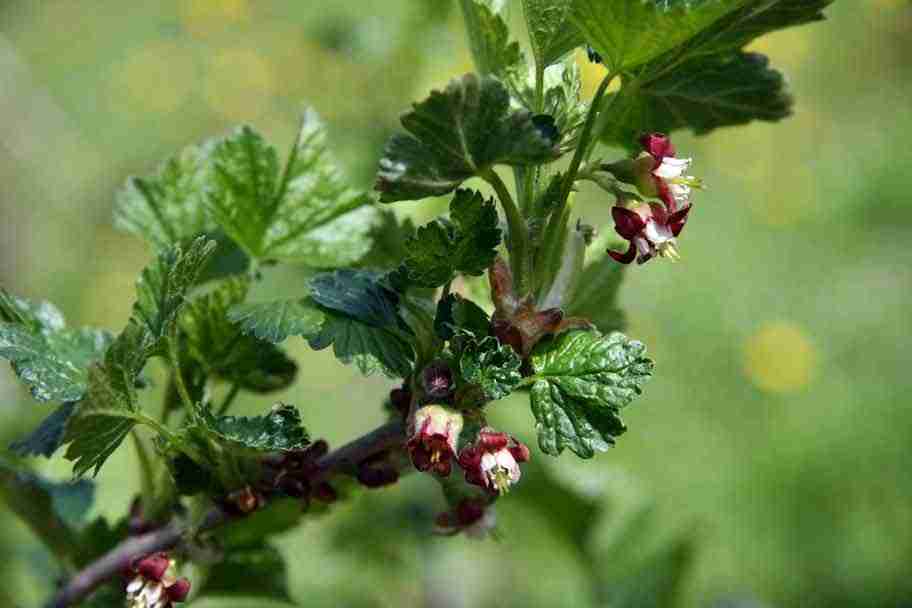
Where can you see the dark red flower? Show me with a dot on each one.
(153, 586)
(651, 230)
(434, 433)
(492, 462)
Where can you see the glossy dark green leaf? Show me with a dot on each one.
(456, 134)
(256, 571)
(219, 348)
(167, 208)
(466, 244)
(457, 313)
(582, 380)
(551, 32)
(304, 213)
(372, 349)
(276, 321)
(359, 294)
(489, 365)
(278, 430)
(48, 437)
(489, 39)
(700, 95)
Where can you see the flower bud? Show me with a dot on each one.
(473, 516)
(434, 432)
(437, 379)
(492, 462)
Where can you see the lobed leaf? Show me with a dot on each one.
(457, 313)
(489, 39)
(372, 349)
(466, 244)
(582, 380)
(489, 365)
(167, 208)
(456, 134)
(551, 32)
(276, 321)
(306, 214)
(279, 430)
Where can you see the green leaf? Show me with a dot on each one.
(51, 510)
(466, 244)
(359, 294)
(456, 134)
(489, 365)
(53, 363)
(162, 288)
(279, 430)
(489, 39)
(49, 358)
(48, 437)
(363, 323)
(372, 349)
(167, 208)
(582, 380)
(219, 347)
(100, 423)
(306, 214)
(276, 321)
(455, 312)
(550, 31)
(388, 237)
(701, 95)
(596, 295)
(629, 33)
(255, 571)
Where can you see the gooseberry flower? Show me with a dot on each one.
(651, 230)
(152, 584)
(492, 462)
(666, 177)
(434, 432)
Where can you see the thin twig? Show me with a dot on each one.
(344, 460)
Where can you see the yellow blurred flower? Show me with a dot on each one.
(780, 358)
(239, 84)
(204, 17)
(156, 78)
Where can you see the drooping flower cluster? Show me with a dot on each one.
(652, 228)
(434, 435)
(152, 584)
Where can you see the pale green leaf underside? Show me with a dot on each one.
(551, 33)
(489, 39)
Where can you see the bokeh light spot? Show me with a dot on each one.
(780, 357)
(156, 78)
(239, 84)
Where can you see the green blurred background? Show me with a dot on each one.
(770, 452)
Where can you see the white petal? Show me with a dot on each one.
(488, 462)
(658, 234)
(672, 167)
(136, 584)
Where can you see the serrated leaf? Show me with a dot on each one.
(306, 214)
(100, 423)
(51, 510)
(167, 208)
(551, 33)
(701, 95)
(52, 363)
(276, 321)
(279, 430)
(582, 380)
(466, 244)
(456, 134)
(457, 313)
(48, 437)
(491, 366)
(220, 349)
(359, 294)
(36, 316)
(629, 33)
(255, 571)
(372, 349)
(162, 288)
(489, 39)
